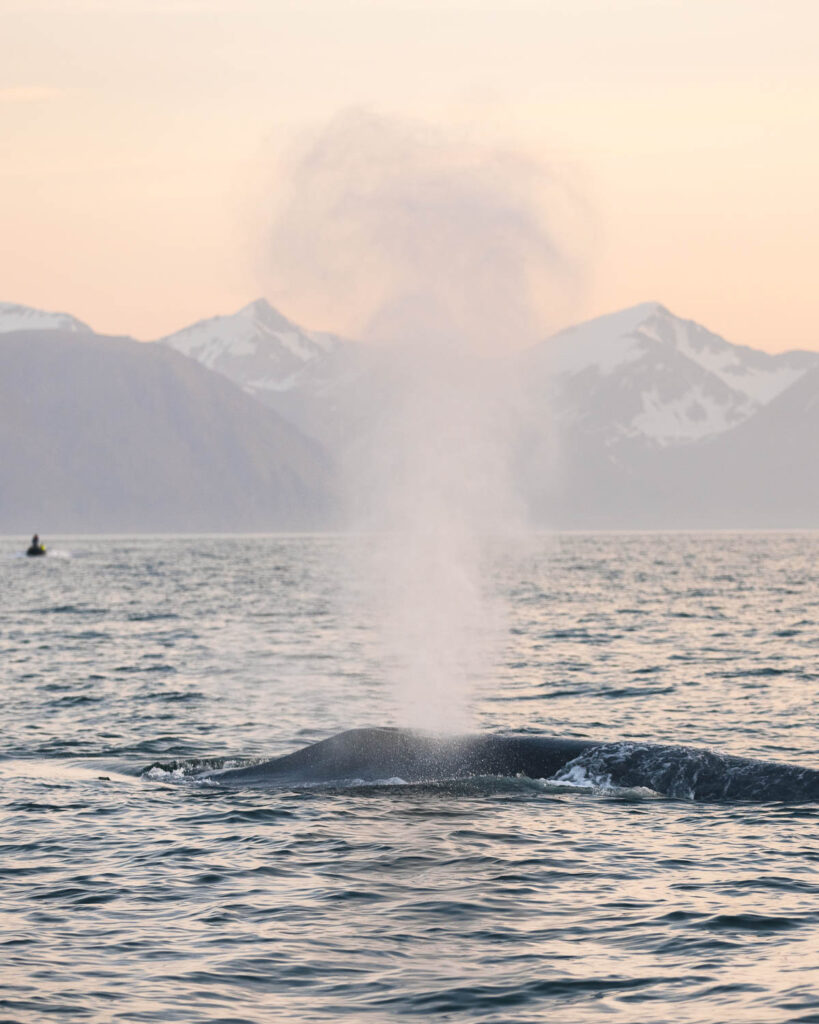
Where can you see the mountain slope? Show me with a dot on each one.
(295, 371)
(764, 473)
(761, 474)
(14, 317)
(108, 434)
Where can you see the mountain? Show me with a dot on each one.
(108, 434)
(297, 372)
(648, 416)
(636, 420)
(24, 318)
(645, 373)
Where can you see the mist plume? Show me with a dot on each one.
(438, 252)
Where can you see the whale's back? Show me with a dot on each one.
(383, 753)
(379, 754)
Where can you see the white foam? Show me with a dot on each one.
(577, 776)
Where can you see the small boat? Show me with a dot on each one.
(36, 547)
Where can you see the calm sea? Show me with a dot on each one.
(129, 892)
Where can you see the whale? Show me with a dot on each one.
(379, 754)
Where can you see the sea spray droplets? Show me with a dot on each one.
(436, 251)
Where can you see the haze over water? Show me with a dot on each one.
(131, 892)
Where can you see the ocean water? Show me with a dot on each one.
(130, 891)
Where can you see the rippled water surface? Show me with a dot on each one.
(130, 892)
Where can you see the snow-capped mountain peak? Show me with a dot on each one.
(652, 375)
(269, 321)
(609, 342)
(758, 375)
(14, 317)
(260, 309)
(260, 349)
(605, 343)
(256, 329)
(256, 346)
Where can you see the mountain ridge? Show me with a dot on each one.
(635, 419)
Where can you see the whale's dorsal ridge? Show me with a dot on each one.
(380, 753)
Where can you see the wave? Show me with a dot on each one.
(691, 773)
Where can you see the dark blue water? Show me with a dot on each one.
(129, 892)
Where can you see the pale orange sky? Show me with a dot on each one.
(139, 140)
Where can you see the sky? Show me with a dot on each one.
(141, 145)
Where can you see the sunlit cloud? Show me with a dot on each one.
(109, 7)
(28, 94)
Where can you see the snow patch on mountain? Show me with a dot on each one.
(14, 317)
(692, 416)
